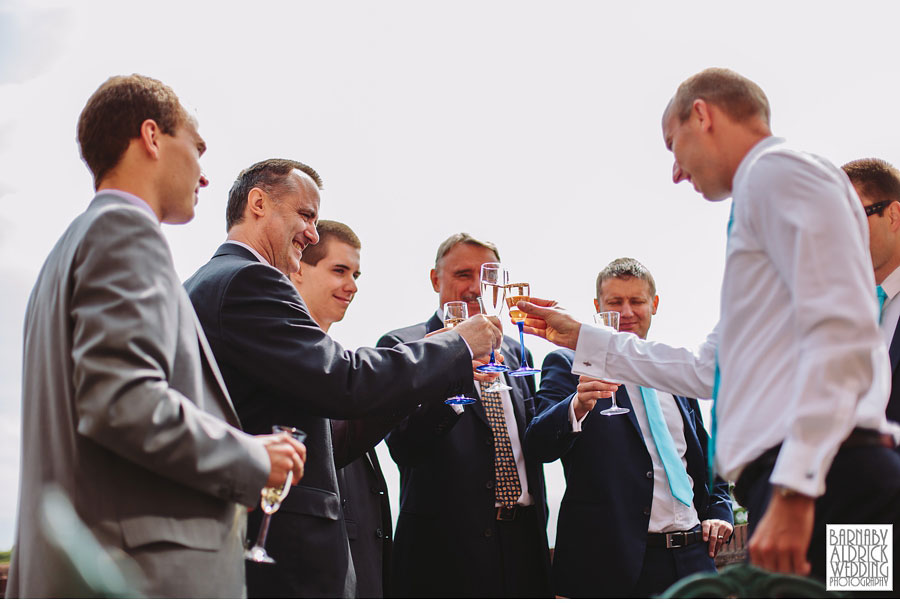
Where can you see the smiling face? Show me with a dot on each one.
(180, 177)
(457, 276)
(330, 285)
(630, 297)
(696, 158)
(288, 223)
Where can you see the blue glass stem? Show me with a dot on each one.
(521, 326)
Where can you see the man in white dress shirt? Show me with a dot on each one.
(796, 366)
(877, 183)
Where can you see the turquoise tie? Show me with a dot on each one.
(679, 483)
(713, 428)
(882, 297)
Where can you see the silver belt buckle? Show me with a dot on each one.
(672, 545)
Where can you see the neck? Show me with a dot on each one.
(135, 186)
(884, 271)
(248, 236)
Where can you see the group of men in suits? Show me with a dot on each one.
(152, 404)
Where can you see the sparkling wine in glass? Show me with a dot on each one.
(270, 501)
(610, 319)
(516, 292)
(456, 312)
(493, 294)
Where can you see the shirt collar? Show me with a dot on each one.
(891, 284)
(758, 149)
(251, 250)
(130, 198)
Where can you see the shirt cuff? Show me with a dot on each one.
(575, 423)
(590, 351)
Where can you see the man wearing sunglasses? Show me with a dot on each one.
(877, 183)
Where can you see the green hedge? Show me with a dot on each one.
(4, 556)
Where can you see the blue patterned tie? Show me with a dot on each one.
(679, 483)
(882, 297)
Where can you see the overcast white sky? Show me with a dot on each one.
(535, 125)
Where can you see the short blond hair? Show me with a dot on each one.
(739, 97)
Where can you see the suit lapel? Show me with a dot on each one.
(623, 400)
(895, 350)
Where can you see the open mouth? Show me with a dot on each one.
(298, 245)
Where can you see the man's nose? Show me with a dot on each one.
(204, 181)
(312, 233)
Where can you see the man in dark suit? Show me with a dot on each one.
(281, 368)
(877, 183)
(124, 408)
(461, 531)
(637, 514)
(326, 281)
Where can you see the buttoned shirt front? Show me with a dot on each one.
(801, 358)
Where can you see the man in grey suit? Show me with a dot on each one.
(123, 406)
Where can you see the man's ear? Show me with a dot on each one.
(257, 202)
(893, 215)
(655, 304)
(597, 304)
(149, 137)
(703, 112)
(434, 281)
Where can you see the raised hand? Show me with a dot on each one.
(552, 323)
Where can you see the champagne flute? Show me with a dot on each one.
(516, 292)
(454, 313)
(270, 501)
(610, 319)
(493, 293)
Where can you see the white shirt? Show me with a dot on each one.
(133, 199)
(801, 358)
(251, 250)
(667, 513)
(891, 314)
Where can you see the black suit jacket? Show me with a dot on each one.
(365, 502)
(445, 543)
(601, 534)
(893, 407)
(281, 368)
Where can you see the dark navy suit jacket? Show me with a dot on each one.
(281, 368)
(445, 542)
(603, 519)
(893, 407)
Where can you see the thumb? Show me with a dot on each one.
(533, 309)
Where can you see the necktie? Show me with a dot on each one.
(679, 483)
(882, 297)
(506, 476)
(714, 424)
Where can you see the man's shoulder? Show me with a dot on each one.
(562, 356)
(410, 333)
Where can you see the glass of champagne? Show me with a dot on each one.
(270, 501)
(610, 319)
(493, 293)
(454, 313)
(516, 292)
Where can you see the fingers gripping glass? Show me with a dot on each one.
(516, 292)
(456, 312)
(610, 319)
(270, 502)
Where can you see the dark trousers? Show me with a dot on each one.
(664, 567)
(862, 486)
(525, 571)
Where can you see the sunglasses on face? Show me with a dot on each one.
(877, 208)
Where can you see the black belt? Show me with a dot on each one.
(674, 540)
(513, 513)
(858, 438)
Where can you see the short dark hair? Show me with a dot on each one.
(113, 115)
(739, 97)
(329, 229)
(463, 237)
(270, 175)
(876, 178)
(626, 268)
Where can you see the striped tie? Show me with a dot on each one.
(506, 476)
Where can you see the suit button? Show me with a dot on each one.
(489, 484)
(344, 502)
(379, 532)
(646, 510)
(488, 533)
(649, 475)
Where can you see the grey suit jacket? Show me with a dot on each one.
(124, 408)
